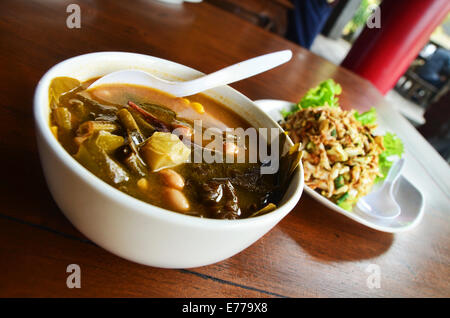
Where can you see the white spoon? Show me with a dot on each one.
(381, 203)
(224, 76)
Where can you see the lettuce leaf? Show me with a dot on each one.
(347, 205)
(287, 112)
(324, 93)
(392, 144)
(367, 118)
(346, 202)
(393, 147)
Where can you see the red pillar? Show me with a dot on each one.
(382, 55)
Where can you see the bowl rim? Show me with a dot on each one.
(117, 196)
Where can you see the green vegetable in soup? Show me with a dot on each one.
(59, 87)
(90, 127)
(95, 154)
(63, 118)
(268, 208)
(164, 150)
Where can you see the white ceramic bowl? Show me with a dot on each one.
(126, 226)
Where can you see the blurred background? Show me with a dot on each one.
(335, 30)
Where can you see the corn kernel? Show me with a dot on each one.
(198, 107)
(142, 184)
(54, 130)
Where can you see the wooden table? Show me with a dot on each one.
(313, 252)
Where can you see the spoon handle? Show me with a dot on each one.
(233, 73)
(395, 171)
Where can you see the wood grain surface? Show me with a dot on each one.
(313, 252)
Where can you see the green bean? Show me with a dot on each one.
(145, 126)
(62, 118)
(89, 127)
(127, 120)
(339, 182)
(134, 133)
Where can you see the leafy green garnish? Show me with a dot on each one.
(287, 112)
(393, 147)
(368, 117)
(346, 202)
(392, 144)
(324, 93)
(347, 205)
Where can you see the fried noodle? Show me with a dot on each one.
(340, 154)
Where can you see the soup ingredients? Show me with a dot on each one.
(221, 196)
(176, 199)
(142, 184)
(198, 107)
(95, 154)
(268, 208)
(63, 118)
(164, 150)
(153, 120)
(140, 141)
(172, 179)
(87, 128)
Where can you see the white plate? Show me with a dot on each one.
(409, 198)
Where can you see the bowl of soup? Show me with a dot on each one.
(156, 179)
